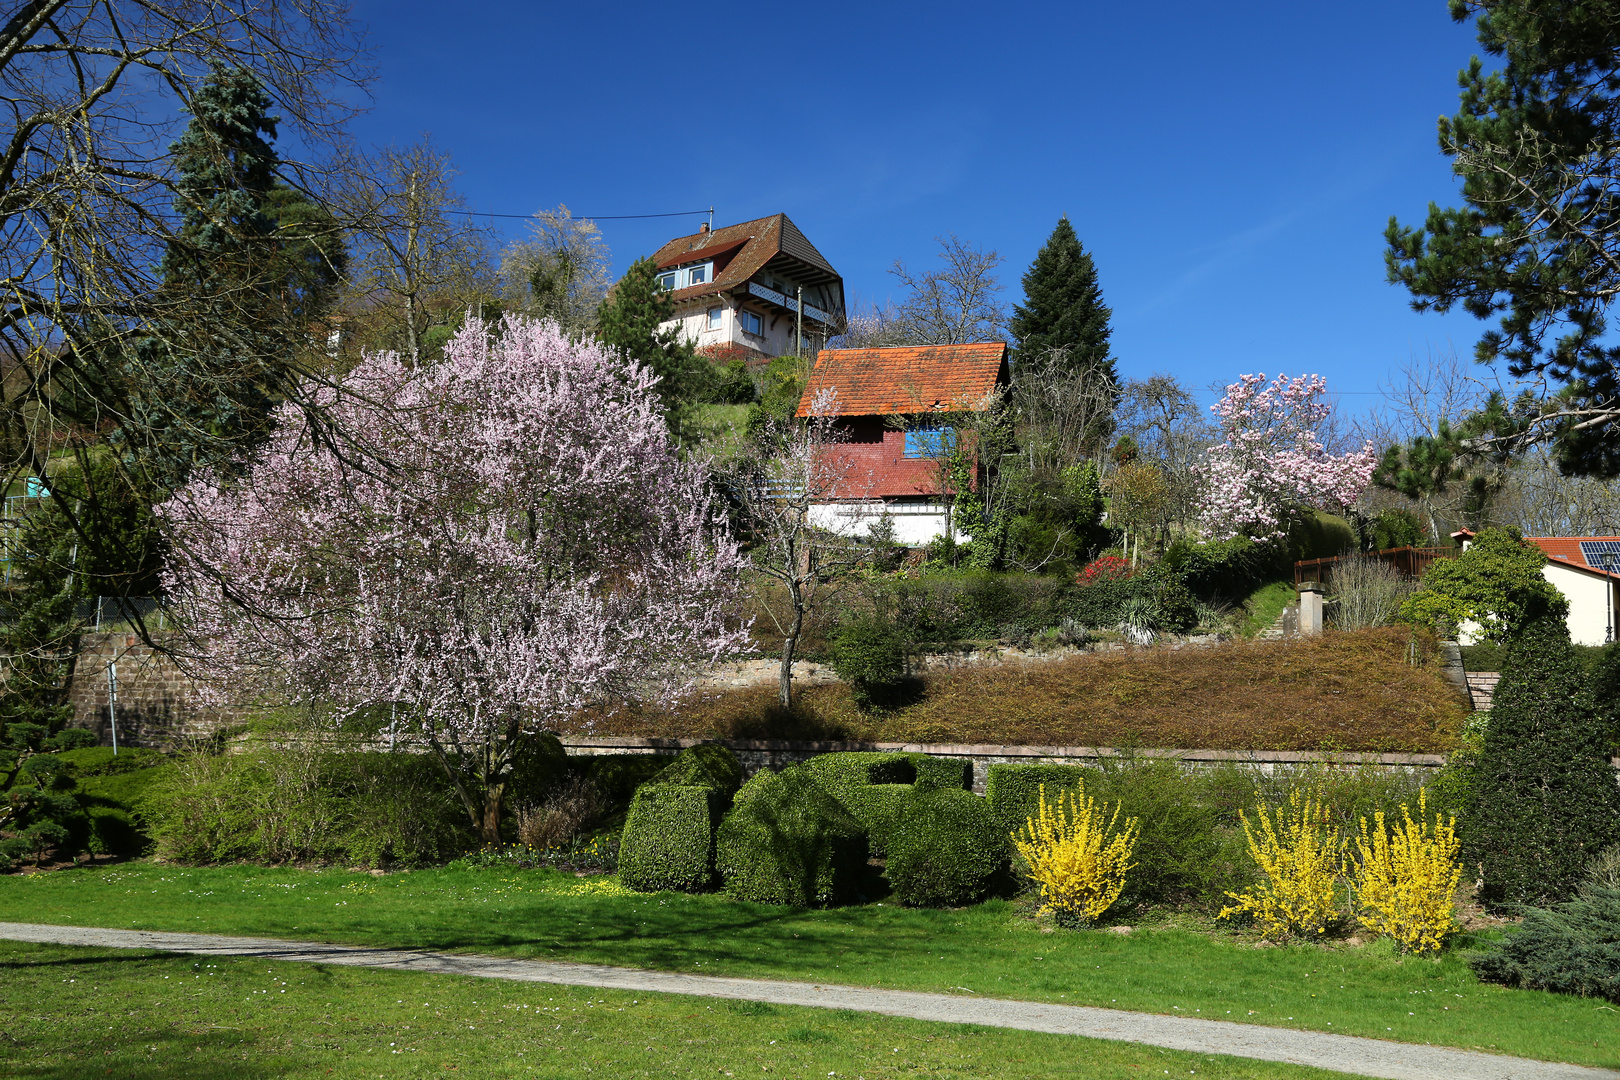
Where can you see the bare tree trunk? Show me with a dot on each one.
(790, 645)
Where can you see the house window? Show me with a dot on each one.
(928, 438)
(683, 276)
(750, 322)
(716, 317)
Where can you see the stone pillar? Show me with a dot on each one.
(1310, 608)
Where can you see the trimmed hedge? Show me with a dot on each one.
(668, 838)
(941, 774)
(707, 766)
(788, 842)
(1013, 792)
(871, 786)
(946, 850)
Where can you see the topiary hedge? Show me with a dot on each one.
(788, 842)
(939, 774)
(872, 787)
(1013, 791)
(668, 838)
(946, 849)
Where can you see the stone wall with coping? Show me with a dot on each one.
(756, 754)
(156, 704)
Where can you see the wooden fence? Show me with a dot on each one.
(1411, 561)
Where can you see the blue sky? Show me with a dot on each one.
(1229, 166)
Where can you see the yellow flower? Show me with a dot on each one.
(1301, 857)
(1408, 881)
(1080, 869)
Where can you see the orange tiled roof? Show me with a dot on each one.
(1566, 551)
(926, 378)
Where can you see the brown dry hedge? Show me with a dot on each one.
(1342, 691)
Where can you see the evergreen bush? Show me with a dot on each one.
(1570, 948)
(1013, 792)
(668, 838)
(946, 850)
(1543, 800)
(940, 774)
(872, 787)
(871, 655)
(788, 842)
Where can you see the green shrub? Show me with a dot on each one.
(870, 654)
(707, 765)
(1544, 800)
(101, 761)
(931, 773)
(668, 838)
(1497, 583)
(115, 798)
(1225, 569)
(538, 767)
(788, 842)
(70, 739)
(617, 776)
(1571, 948)
(946, 850)
(1013, 791)
(1177, 849)
(872, 787)
(299, 803)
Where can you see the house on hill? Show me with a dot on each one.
(749, 290)
(1586, 569)
(889, 405)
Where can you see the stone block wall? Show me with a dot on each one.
(156, 706)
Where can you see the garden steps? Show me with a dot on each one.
(1341, 1053)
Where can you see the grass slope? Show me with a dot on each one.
(1351, 691)
(994, 949)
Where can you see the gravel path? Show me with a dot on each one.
(1343, 1053)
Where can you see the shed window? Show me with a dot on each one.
(716, 317)
(928, 438)
(750, 322)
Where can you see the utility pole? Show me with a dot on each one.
(112, 702)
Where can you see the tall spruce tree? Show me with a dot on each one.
(1063, 306)
(629, 322)
(1544, 799)
(251, 266)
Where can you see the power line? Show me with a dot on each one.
(590, 217)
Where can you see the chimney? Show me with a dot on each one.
(703, 228)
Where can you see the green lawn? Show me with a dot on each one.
(70, 1014)
(1262, 606)
(993, 949)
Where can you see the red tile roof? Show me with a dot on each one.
(756, 242)
(1566, 551)
(927, 378)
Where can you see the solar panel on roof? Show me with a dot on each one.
(1594, 550)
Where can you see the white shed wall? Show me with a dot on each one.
(915, 524)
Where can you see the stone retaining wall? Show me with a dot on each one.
(756, 754)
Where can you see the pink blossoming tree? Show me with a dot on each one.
(1272, 463)
(511, 538)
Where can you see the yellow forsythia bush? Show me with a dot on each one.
(1080, 868)
(1301, 857)
(1407, 882)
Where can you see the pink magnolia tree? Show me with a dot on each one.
(511, 537)
(1272, 463)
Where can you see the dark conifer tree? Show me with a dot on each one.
(629, 321)
(1544, 799)
(252, 265)
(1063, 306)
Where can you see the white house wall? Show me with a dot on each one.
(1589, 596)
(915, 524)
(776, 330)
